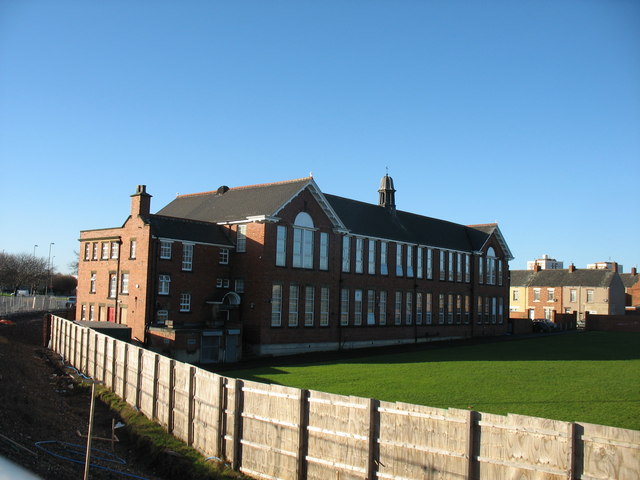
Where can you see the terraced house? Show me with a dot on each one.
(284, 268)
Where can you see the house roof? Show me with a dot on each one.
(629, 279)
(235, 204)
(562, 278)
(187, 230)
(228, 205)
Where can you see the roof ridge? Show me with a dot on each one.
(483, 225)
(246, 187)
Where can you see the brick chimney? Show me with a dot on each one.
(634, 271)
(572, 268)
(140, 201)
(537, 267)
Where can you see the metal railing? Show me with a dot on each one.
(35, 303)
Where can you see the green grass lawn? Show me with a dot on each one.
(591, 377)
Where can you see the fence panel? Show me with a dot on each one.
(207, 413)
(270, 430)
(609, 452)
(338, 436)
(163, 396)
(419, 442)
(182, 394)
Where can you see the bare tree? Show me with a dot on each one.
(22, 271)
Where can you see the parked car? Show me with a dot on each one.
(543, 326)
(71, 302)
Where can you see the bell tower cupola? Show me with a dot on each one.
(387, 193)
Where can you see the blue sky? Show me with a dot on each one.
(522, 112)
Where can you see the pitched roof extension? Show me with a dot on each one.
(187, 230)
(629, 279)
(562, 278)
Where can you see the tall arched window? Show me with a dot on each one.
(491, 266)
(303, 229)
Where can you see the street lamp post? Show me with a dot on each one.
(46, 288)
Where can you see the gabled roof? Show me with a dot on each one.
(562, 278)
(265, 201)
(629, 279)
(187, 230)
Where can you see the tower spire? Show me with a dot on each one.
(387, 193)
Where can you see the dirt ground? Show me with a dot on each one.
(39, 402)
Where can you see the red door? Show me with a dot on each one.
(111, 314)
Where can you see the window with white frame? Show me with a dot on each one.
(442, 265)
(239, 285)
(499, 272)
(429, 263)
(384, 270)
(450, 261)
(458, 267)
(162, 316)
(133, 245)
(467, 309)
(467, 267)
(536, 294)
(87, 251)
(408, 308)
(124, 283)
(399, 271)
(357, 307)
(164, 283)
(346, 254)
(92, 312)
(276, 305)
(165, 249)
(281, 246)
(428, 308)
(187, 257)
(359, 255)
(83, 313)
(95, 251)
(344, 306)
(371, 307)
(241, 238)
(303, 241)
(572, 295)
(419, 308)
(309, 307)
(480, 269)
(224, 256)
(105, 251)
(397, 310)
(185, 302)
(115, 250)
(324, 306)
(409, 260)
(113, 285)
(382, 308)
(516, 295)
(551, 294)
(419, 262)
(293, 305)
(324, 251)
(589, 296)
(441, 309)
(371, 264)
(491, 266)
(92, 283)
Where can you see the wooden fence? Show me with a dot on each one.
(276, 432)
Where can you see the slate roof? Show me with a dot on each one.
(187, 230)
(562, 278)
(629, 280)
(236, 203)
(359, 218)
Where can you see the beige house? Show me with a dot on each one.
(539, 293)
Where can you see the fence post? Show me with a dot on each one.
(373, 454)
(192, 400)
(222, 408)
(172, 396)
(571, 450)
(303, 439)
(114, 365)
(139, 379)
(237, 424)
(154, 407)
(86, 356)
(471, 423)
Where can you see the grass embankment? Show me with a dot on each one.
(591, 377)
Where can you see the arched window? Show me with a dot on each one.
(491, 266)
(303, 230)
